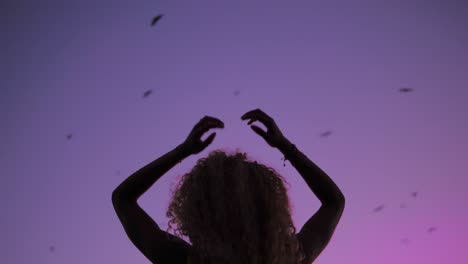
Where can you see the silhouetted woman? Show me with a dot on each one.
(233, 210)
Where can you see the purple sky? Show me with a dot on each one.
(82, 67)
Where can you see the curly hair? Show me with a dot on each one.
(235, 210)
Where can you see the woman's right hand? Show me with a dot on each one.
(273, 135)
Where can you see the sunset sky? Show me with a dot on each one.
(82, 67)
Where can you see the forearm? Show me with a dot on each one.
(317, 180)
(140, 181)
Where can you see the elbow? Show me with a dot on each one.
(340, 200)
(336, 201)
(119, 197)
(116, 197)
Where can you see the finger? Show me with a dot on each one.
(209, 139)
(246, 115)
(206, 123)
(215, 122)
(258, 115)
(259, 131)
(251, 121)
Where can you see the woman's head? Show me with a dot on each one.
(232, 207)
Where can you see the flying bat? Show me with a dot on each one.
(326, 134)
(414, 194)
(378, 209)
(406, 90)
(147, 93)
(51, 248)
(431, 229)
(236, 93)
(405, 241)
(69, 136)
(156, 19)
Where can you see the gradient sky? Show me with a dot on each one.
(82, 67)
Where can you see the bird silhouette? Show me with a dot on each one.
(156, 19)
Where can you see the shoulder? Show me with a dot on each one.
(172, 250)
(192, 256)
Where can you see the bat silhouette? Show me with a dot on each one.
(51, 248)
(378, 209)
(406, 90)
(431, 229)
(326, 134)
(414, 194)
(156, 19)
(147, 93)
(236, 93)
(69, 136)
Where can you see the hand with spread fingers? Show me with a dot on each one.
(273, 135)
(193, 143)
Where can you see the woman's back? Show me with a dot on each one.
(227, 198)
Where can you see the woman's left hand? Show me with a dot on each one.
(193, 143)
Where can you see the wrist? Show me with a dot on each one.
(286, 146)
(183, 149)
